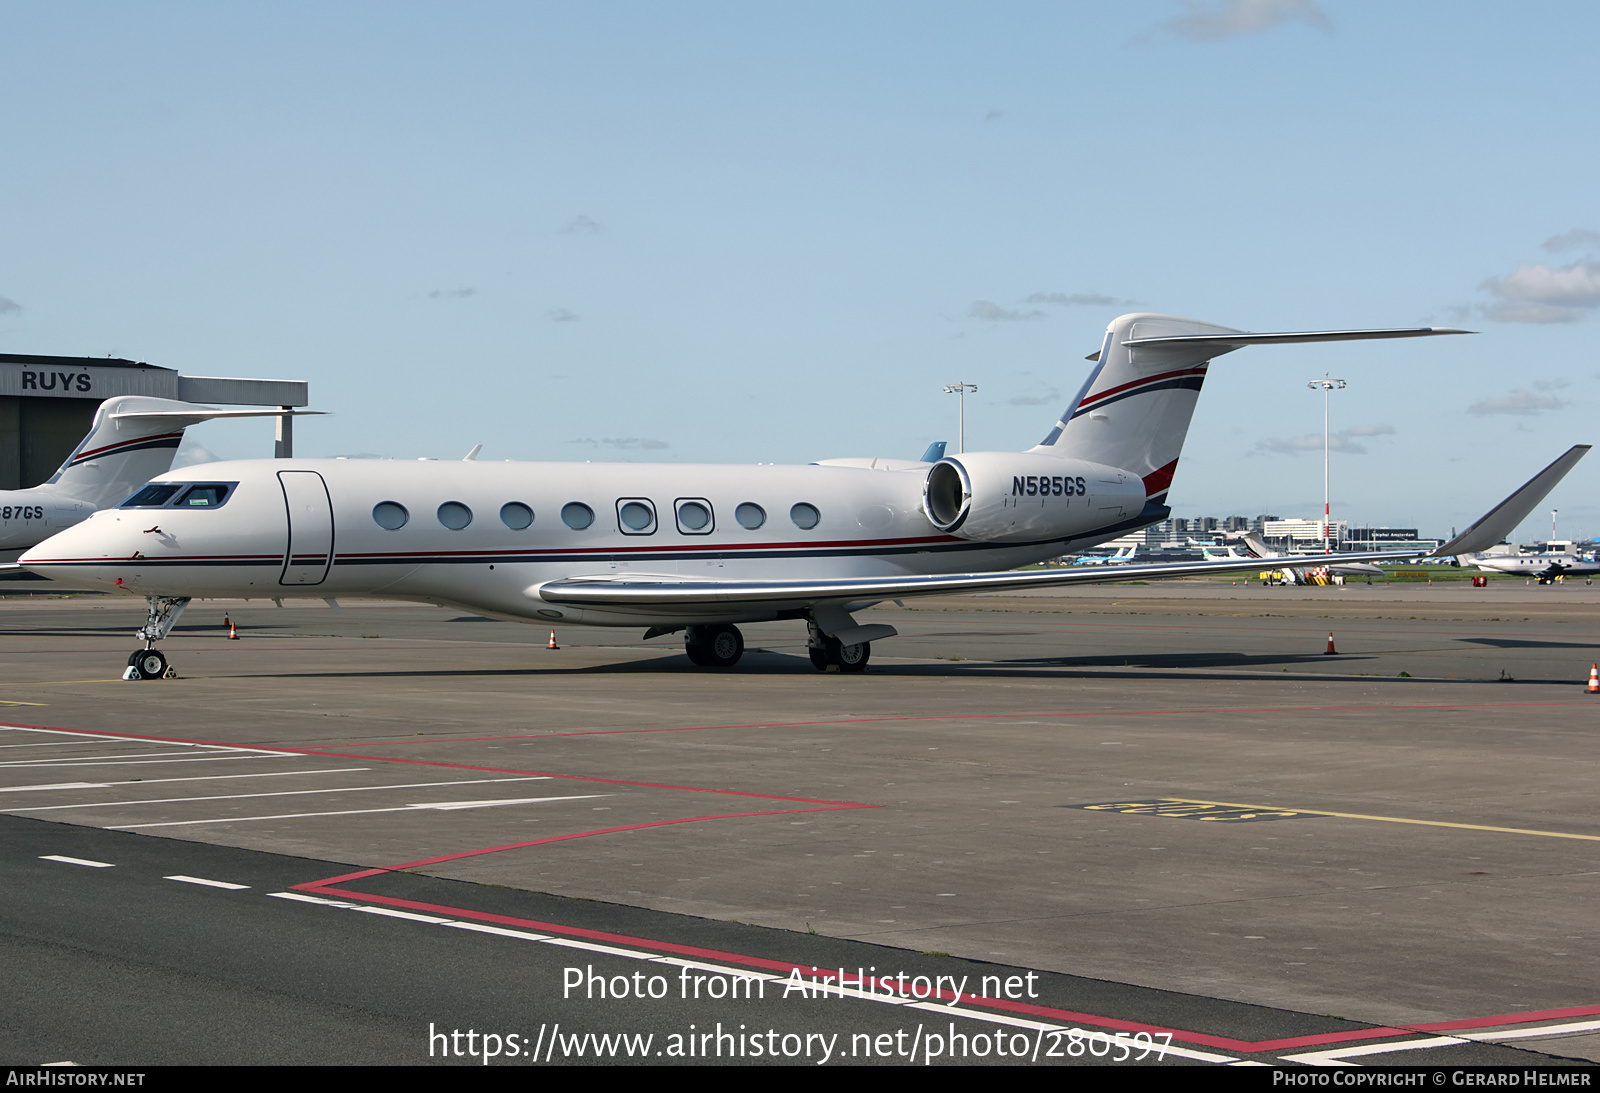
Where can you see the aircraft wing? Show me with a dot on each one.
(666, 592)
(672, 594)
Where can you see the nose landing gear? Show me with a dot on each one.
(149, 663)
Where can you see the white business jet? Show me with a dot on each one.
(1558, 558)
(131, 440)
(698, 549)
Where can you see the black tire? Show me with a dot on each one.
(853, 658)
(718, 646)
(819, 658)
(148, 664)
(847, 658)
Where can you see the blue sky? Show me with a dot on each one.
(733, 232)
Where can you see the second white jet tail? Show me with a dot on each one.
(133, 438)
(1133, 411)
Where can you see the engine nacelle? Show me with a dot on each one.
(1017, 497)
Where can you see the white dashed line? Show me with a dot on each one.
(207, 883)
(58, 785)
(76, 861)
(188, 778)
(1338, 1056)
(278, 793)
(1530, 1033)
(353, 812)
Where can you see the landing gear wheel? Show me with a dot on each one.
(847, 658)
(147, 664)
(718, 646)
(852, 658)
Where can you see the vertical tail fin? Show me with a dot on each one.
(117, 457)
(1133, 411)
(132, 439)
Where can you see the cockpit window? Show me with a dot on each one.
(152, 496)
(180, 495)
(203, 497)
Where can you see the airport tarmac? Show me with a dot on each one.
(1170, 786)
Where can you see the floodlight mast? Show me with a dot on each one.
(1325, 385)
(961, 389)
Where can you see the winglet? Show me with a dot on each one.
(1503, 519)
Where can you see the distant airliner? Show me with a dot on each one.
(698, 549)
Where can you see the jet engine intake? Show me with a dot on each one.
(1018, 497)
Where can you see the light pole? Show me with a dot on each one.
(961, 389)
(1325, 385)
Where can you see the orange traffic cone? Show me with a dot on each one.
(1330, 650)
(1594, 679)
(552, 644)
(233, 633)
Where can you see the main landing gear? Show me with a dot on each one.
(718, 646)
(149, 663)
(829, 653)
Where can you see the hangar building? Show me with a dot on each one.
(47, 404)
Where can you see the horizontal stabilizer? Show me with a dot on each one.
(1503, 519)
(1242, 338)
(191, 415)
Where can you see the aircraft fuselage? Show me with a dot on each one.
(484, 536)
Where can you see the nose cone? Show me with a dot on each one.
(80, 555)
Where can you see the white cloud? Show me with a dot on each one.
(622, 442)
(1576, 239)
(1539, 294)
(582, 225)
(1521, 402)
(1220, 20)
(1050, 398)
(993, 312)
(452, 293)
(561, 315)
(1077, 299)
(8, 307)
(1341, 441)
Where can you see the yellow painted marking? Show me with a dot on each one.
(1403, 820)
(6, 702)
(1175, 808)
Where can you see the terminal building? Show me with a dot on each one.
(47, 404)
(1177, 536)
